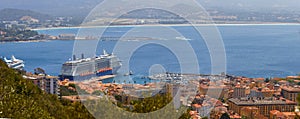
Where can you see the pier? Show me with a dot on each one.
(185, 76)
(99, 78)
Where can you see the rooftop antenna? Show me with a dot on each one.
(82, 56)
(74, 57)
(5, 59)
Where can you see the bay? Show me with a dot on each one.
(251, 50)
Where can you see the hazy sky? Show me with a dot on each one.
(77, 6)
(255, 3)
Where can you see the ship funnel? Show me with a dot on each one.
(5, 60)
(82, 56)
(104, 52)
(74, 57)
(13, 58)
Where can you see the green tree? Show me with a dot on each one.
(205, 118)
(20, 98)
(97, 92)
(267, 80)
(225, 116)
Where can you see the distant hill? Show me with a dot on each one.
(53, 7)
(16, 14)
(20, 98)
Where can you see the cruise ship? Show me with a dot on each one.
(14, 63)
(87, 68)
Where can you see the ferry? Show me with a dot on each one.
(14, 63)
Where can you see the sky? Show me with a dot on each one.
(255, 3)
(61, 7)
(52, 7)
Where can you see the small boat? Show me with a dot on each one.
(182, 38)
(128, 74)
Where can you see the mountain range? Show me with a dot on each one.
(53, 7)
(9, 14)
(83, 7)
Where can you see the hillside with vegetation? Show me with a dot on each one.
(9, 14)
(20, 98)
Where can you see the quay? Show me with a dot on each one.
(181, 76)
(99, 78)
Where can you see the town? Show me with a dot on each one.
(201, 96)
(208, 96)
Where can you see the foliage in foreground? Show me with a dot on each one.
(20, 98)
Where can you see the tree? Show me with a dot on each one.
(267, 80)
(97, 92)
(20, 98)
(225, 116)
(38, 71)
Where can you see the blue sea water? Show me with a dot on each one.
(252, 51)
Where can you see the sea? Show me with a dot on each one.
(251, 50)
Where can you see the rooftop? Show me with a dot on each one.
(261, 102)
(291, 89)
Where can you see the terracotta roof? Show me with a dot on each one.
(274, 112)
(291, 89)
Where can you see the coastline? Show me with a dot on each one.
(151, 25)
(24, 41)
(101, 78)
(172, 25)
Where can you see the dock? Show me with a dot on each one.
(100, 78)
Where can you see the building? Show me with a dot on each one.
(255, 93)
(276, 87)
(275, 114)
(239, 92)
(267, 92)
(48, 84)
(67, 36)
(264, 105)
(251, 113)
(29, 19)
(213, 91)
(258, 92)
(290, 93)
(51, 84)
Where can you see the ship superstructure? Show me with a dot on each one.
(87, 68)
